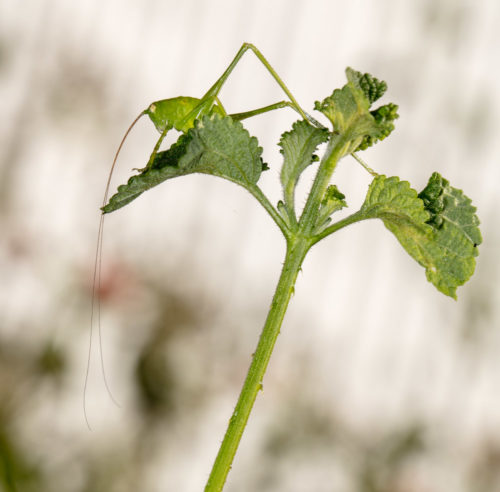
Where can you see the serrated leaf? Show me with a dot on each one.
(372, 87)
(333, 201)
(298, 147)
(216, 145)
(447, 251)
(180, 112)
(349, 111)
(456, 227)
(448, 205)
(384, 116)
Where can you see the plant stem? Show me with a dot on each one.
(351, 219)
(333, 153)
(278, 219)
(296, 251)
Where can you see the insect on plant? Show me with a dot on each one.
(437, 226)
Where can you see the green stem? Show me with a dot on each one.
(351, 219)
(334, 151)
(296, 251)
(264, 201)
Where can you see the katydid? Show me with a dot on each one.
(179, 113)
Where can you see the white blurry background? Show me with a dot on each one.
(378, 382)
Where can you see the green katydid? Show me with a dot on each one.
(179, 113)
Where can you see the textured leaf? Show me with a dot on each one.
(332, 201)
(216, 145)
(298, 147)
(349, 111)
(449, 205)
(180, 112)
(456, 229)
(384, 116)
(446, 251)
(372, 87)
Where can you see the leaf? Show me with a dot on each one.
(455, 224)
(372, 87)
(166, 161)
(216, 145)
(298, 147)
(349, 111)
(446, 251)
(332, 202)
(449, 205)
(384, 116)
(402, 211)
(180, 112)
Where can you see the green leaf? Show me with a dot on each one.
(455, 225)
(447, 250)
(165, 167)
(298, 147)
(372, 87)
(180, 112)
(448, 205)
(384, 116)
(332, 202)
(349, 111)
(216, 145)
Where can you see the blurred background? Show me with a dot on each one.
(378, 382)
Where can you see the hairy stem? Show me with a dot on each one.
(264, 201)
(334, 151)
(296, 251)
(351, 219)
